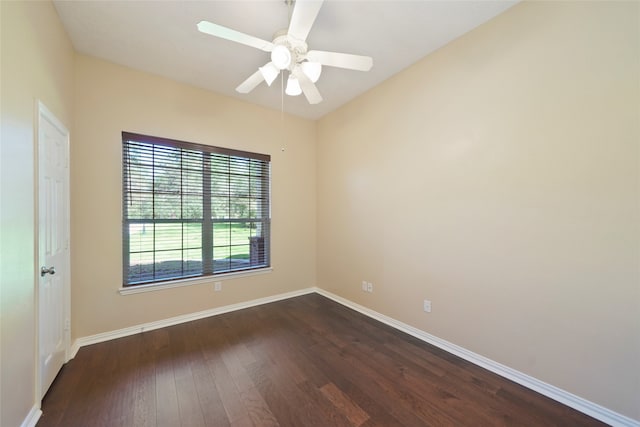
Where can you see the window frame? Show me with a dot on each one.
(210, 155)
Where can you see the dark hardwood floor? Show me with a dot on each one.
(306, 361)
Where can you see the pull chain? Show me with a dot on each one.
(289, 4)
(282, 110)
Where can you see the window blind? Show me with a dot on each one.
(192, 210)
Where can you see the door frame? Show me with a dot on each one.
(43, 113)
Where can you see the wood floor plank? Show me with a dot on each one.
(322, 404)
(339, 370)
(99, 393)
(304, 361)
(446, 394)
(211, 405)
(259, 412)
(191, 362)
(243, 422)
(122, 382)
(144, 384)
(167, 410)
(56, 400)
(279, 405)
(344, 404)
(229, 394)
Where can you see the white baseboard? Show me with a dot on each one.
(32, 418)
(592, 409)
(132, 330)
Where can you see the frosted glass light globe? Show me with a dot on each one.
(293, 86)
(281, 57)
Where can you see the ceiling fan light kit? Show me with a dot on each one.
(281, 57)
(269, 72)
(293, 86)
(289, 51)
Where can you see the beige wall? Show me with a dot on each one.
(109, 99)
(37, 63)
(498, 178)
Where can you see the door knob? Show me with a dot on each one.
(45, 270)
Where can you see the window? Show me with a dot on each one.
(192, 210)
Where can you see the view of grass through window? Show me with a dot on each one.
(192, 210)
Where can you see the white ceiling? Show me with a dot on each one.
(161, 37)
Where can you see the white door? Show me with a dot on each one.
(53, 246)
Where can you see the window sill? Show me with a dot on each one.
(151, 287)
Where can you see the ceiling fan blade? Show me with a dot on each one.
(341, 60)
(308, 88)
(233, 35)
(303, 16)
(248, 85)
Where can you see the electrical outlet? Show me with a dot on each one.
(369, 287)
(427, 306)
(364, 285)
(217, 286)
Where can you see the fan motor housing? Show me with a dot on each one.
(297, 48)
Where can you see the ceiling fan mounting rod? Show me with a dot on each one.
(289, 4)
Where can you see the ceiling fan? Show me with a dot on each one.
(289, 51)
